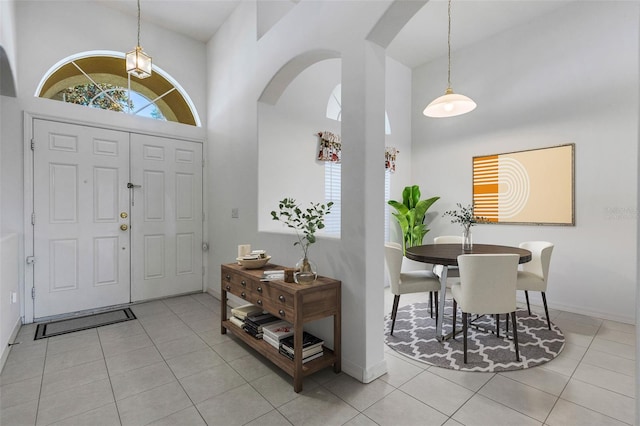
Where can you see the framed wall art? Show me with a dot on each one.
(526, 187)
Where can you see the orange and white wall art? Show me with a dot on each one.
(534, 186)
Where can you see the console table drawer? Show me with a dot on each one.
(277, 309)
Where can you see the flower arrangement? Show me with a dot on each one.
(304, 222)
(465, 217)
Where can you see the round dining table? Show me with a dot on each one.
(447, 255)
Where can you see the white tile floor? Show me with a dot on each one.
(173, 367)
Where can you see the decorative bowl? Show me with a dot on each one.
(253, 263)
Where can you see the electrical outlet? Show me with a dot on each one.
(14, 297)
(235, 213)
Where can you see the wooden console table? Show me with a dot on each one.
(293, 302)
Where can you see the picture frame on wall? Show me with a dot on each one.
(535, 187)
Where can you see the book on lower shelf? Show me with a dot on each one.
(253, 324)
(304, 359)
(311, 346)
(243, 311)
(236, 321)
(269, 340)
(308, 341)
(276, 331)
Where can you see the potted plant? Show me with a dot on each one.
(410, 215)
(305, 222)
(467, 218)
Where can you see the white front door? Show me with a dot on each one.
(80, 195)
(166, 225)
(93, 234)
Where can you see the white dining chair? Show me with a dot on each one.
(532, 275)
(452, 272)
(487, 286)
(408, 282)
(447, 239)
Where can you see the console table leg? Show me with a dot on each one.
(223, 311)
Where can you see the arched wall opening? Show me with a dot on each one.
(291, 113)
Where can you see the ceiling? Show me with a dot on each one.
(421, 40)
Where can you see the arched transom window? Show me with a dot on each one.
(99, 80)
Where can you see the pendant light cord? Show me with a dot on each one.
(138, 22)
(448, 45)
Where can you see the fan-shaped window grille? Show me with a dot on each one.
(99, 80)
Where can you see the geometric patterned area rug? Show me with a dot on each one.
(414, 336)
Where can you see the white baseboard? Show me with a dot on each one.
(7, 349)
(581, 311)
(364, 375)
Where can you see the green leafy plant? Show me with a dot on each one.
(305, 222)
(410, 215)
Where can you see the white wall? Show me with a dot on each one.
(96, 27)
(8, 44)
(11, 222)
(398, 95)
(287, 141)
(10, 195)
(569, 77)
(239, 68)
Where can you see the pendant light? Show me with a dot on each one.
(138, 62)
(450, 104)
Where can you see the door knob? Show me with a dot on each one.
(124, 227)
(124, 215)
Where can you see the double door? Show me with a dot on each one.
(117, 217)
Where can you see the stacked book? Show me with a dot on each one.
(311, 347)
(274, 332)
(239, 314)
(253, 323)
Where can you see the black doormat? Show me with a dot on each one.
(56, 328)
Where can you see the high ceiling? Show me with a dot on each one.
(421, 40)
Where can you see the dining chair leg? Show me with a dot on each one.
(394, 312)
(431, 304)
(507, 325)
(515, 335)
(464, 332)
(455, 311)
(497, 319)
(546, 310)
(526, 294)
(437, 303)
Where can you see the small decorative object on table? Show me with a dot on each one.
(306, 222)
(254, 260)
(467, 219)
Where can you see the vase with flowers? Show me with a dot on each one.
(467, 218)
(305, 222)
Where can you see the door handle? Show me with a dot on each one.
(133, 186)
(124, 227)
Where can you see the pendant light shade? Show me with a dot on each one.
(138, 63)
(450, 104)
